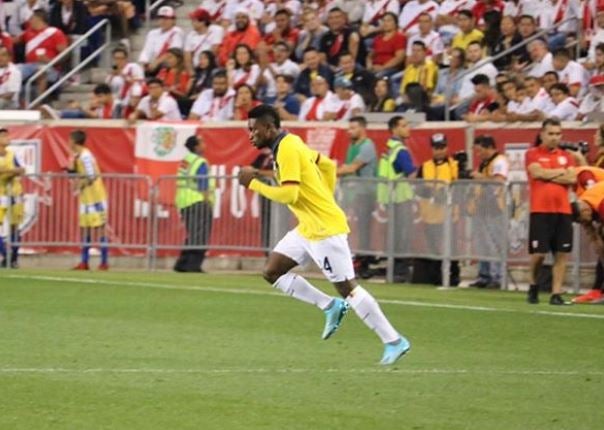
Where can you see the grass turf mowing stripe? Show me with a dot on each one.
(527, 372)
(230, 290)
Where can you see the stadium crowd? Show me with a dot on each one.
(331, 60)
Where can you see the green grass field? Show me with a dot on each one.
(166, 351)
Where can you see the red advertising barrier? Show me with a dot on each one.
(227, 148)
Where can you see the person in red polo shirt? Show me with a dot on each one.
(42, 44)
(551, 173)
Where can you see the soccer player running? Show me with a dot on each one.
(11, 198)
(93, 200)
(306, 183)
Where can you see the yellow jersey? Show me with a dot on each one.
(9, 161)
(87, 168)
(462, 40)
(426, 75)
(318, 214)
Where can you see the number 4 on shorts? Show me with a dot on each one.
(326, 265)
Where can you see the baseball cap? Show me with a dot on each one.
(342, 82)
(596, 80)
(166, 12)
(438, 140)
(200, 14)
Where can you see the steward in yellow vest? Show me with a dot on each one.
(194, 199)
(11, 198)
(395, 165)
(486, 204)
(432, 210)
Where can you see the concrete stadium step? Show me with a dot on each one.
(79, 88)
(97, 75)
(78, 97)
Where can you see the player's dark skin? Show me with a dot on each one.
(263, 134)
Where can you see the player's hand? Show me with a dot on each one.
(246, 174)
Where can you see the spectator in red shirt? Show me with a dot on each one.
(551, 174)
(175, 77)
(388, 53)
(245, 101)
(245, 33)
(284, 30)
(42, 44)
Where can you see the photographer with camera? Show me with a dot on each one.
(493, 167)
(551, 173)
(432, 210)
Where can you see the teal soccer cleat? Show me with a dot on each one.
(333, 317)
(392, 352)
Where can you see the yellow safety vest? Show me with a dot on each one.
(187, 187)
(448, 171)
(402, 190)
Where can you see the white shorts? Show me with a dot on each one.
(332, 255)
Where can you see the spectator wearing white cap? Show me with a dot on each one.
(245, 33)
(159, 40)
(157, 105)
(204, 37)
(255, 9)
(566, 107)
(10, 81)
(594, 100)
(346, 104)
(315, 107)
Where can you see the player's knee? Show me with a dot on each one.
(271, 274)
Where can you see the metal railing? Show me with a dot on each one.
(481, 63)
(70, 50)
(149, 8)
(397, 220)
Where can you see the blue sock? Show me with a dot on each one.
(86, 250)
(15, 237)
(2, 247)
(104, 250)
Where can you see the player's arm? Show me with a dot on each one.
(13, 172)
(286, 193)
(538, 172)
(328, 170)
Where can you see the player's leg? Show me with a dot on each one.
(15, 239)
(562, 243)
(539, 245)
(335, 260)
(3, 263)
(289, 253)
(85, 238)
(595, 294)
(100, 232)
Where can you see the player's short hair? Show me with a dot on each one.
(360, 120)
(120, 49)
(393, 122)
(561, 87)
(485, 141)
(41, 14)
(155, 81)
(287, 78)
(102, 89)
(467, 13)
(561, 52)
(267, 114)
(481, 79)
(3, 130)
(78, 137)
(552, 73)
(551, 122)
(420, 44)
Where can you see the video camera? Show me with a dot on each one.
(462, 162)
(580, 146)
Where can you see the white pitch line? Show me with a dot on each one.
(231, 290)
(243, 371)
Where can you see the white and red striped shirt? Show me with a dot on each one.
(452, 8)
(566, 110)
(409, 17)
(208, 107)
(375, 10)
(158, 42)
(432, 40)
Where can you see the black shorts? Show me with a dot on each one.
(550, 232)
